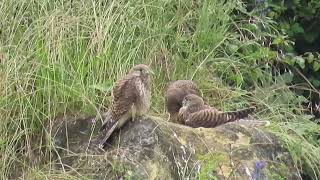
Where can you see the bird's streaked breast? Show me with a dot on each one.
(143, 103)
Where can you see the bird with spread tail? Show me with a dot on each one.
(131, 98)
(174, 94)
(195, 113)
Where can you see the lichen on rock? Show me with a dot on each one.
(151, 148)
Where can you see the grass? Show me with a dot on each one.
(62, 56)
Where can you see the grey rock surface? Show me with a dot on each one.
(151, 148)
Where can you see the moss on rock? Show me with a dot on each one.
(150, 148)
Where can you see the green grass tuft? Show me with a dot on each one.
(62, 56)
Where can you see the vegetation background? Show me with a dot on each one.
(63, 56)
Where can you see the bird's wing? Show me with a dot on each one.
(182, 115)
(193, 109)
(185, 112)
(202, 118)
(212, 118)
(124, 96)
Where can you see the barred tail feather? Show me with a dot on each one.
(107, 120)
(240, 114)
(254, 123)
(108, 127)
(209, 118)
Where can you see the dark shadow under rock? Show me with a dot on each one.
(150, 148)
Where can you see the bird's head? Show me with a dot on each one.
(191, 100)
(141, 70)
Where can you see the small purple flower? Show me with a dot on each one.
(259, 165)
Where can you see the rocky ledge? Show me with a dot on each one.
(151, 148)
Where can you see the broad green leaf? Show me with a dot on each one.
(299, 60)
(296, 28)
(289, 60)
(316, 82)
(287, 77)
(277, 41)
(316, 66)
(310, 57)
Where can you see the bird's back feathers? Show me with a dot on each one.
(174, 94)
(184, 84)
(124, 96)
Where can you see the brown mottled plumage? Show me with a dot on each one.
(195, 114)
(131, 97)
(184, 84)
(174, 95)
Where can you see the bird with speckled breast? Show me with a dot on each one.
(131, 98)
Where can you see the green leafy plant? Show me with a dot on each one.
(300, 21)
(208, 165)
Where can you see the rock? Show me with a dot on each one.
(150, 148)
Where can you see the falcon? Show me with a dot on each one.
(195, 113)
(131, 98)
(174, 95)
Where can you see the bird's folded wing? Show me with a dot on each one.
(212, 118)
(196, 119)
(124, 96)
(206, 118)
(182, 115)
